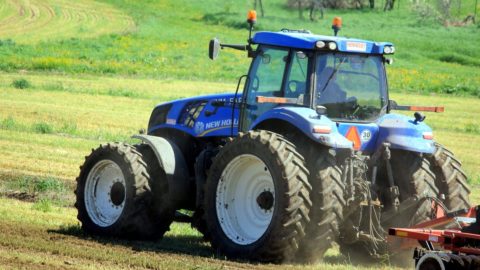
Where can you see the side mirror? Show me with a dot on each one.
(320, 110)
(392, 104)
(388, 61)
(213, 48)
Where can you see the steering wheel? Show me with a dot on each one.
(292, 88)
(352, 104)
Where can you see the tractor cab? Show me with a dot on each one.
(340, 78)
(343, 78)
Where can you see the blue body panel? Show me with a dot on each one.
(305, 119)
(402, 133)
(218, 124)
(398, 130)
(308, 41)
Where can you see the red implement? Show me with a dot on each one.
(456, 246)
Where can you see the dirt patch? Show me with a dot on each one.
(22, 196)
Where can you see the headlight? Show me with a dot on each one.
(388, 49)
(320, 44)
(332, 46)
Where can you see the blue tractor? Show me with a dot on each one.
(309, 153)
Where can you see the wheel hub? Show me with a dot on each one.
(117, 193)
(245, 199)
(265, 200)
(105, 193)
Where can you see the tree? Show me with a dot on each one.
(316, 4)
(312, 6)
(261, 6)
(389, 5)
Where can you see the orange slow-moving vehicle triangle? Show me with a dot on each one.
(352, 135)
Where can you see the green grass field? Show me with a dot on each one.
(74, 74)
(26, 22)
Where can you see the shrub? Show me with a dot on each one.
(122, 93)
(21, 83)
(44, 205)
(472, 128)
(69, 128)
(49, 184)
(8, 123)
(43, 128)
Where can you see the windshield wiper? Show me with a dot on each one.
(333, 74)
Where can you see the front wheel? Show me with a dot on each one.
(116, 189)
(257, 198)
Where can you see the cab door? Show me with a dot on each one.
(275, 72)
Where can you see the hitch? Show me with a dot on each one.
(392, 193)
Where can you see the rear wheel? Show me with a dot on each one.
(326, 214)
(257, 198)
(114, 194)
(450, 178)
(413, 177)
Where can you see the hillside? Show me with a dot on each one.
(168, 39)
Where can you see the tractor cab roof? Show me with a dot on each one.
(306, 40)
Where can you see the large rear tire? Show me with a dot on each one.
(257, 198)
(326, 214)
(450, 179)
(114, 194)
(413, 177)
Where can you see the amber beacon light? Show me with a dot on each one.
(252, 17)
(336, 25)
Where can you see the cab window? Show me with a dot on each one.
(275, 72)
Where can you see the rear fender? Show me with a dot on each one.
(171, 160)
(403, 133)
(305, 119)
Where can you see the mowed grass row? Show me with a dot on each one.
(53, 240)
(47, 20)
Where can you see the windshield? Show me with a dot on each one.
(351, 87)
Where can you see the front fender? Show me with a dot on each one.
(305, 119)
(171, 160)
(402, 133)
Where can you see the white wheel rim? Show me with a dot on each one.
(245, 199)
(104, 198)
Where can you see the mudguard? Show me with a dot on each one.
(171, 160)
(403, 133)
(305, 119)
